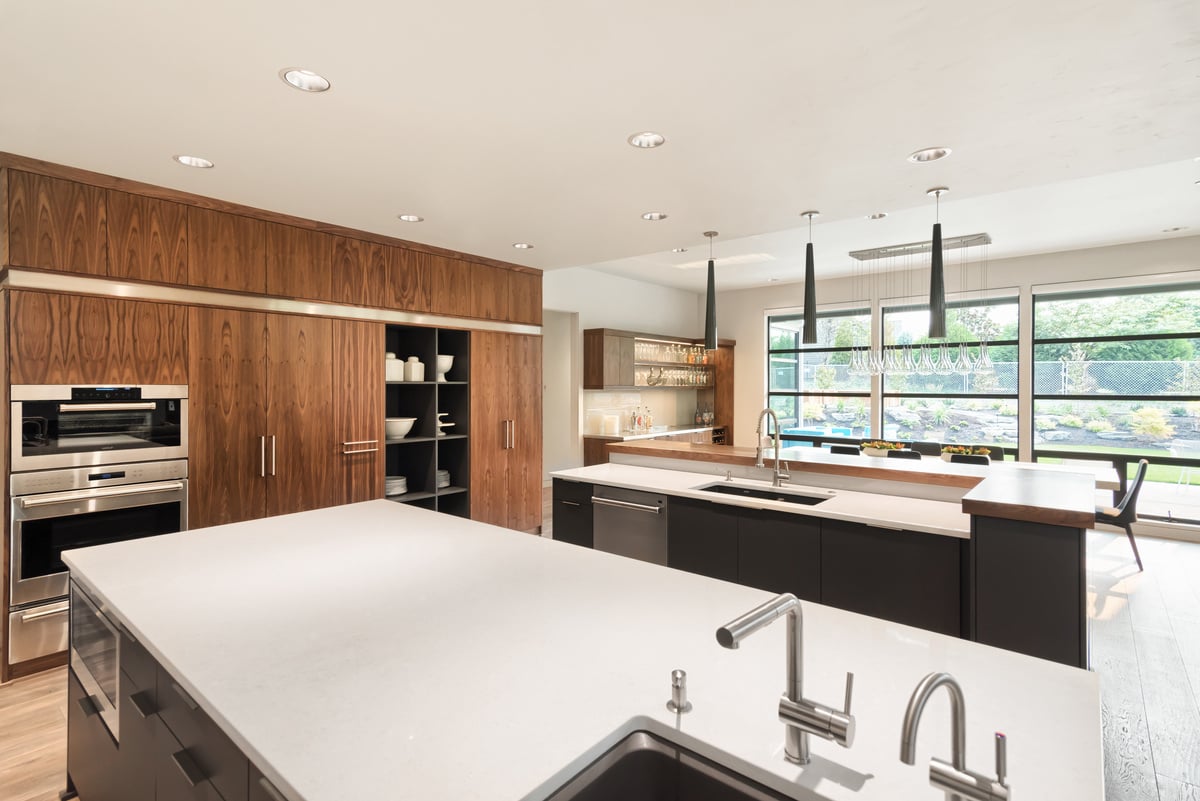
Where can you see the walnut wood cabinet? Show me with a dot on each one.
(55, 224)
(506, 429)
(75, 339)
(299, 262)
(261, 415)
(359, 271)
(147, 238)
(226, 251)
(358, 411)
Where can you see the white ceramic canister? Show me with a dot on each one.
(414, 370)
(393, 368)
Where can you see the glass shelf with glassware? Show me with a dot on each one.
(697, 376)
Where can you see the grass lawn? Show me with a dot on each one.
(1161, 473)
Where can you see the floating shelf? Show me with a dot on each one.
(451, 490)
(409, 497)
(406, 440)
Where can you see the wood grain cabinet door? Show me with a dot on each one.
(56, 225)
(298, 262)
(409, 280)
(525, 297)
(147, 238)
(490, 411)
(525, 467)
(227, 416)
(359, 272)
(226, 251)
(358, 411)
(451, 286)
(299, 406)
(489, 292)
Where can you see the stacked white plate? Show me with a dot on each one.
(395, 485)
(442, 479)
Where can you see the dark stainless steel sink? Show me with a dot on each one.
(765, 493)
(644, 767)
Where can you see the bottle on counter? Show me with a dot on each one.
(698, 419)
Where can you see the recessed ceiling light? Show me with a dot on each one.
(679, 250)
(928, 154)
(647, 139)
(411, 218)
(879, 215)
(194, 161)
(654, 216)
(522, 246)
(304, 80)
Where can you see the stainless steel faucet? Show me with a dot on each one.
(758, 462)
(800, 716)
(953, 776)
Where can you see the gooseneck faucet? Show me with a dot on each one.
(801, 716)
(758, 462)
(953, 776)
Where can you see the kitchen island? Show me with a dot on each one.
(383, 651)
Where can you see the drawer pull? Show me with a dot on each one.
(188, 701)
(362, 450)
(142, 704)
(360, 442)
(569, 503)
(192, 773)
(88, 706)
(269, 789)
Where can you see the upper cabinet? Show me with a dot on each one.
(56, 225)
(298, 262)
(226, 251)
(451, 287)
(409, 284)
(147, 238)
(359, 272)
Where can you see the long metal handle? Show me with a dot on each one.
(57, 610)
(149, 406)
(512, 425)
(362, 450)
(570, 503)
(272, 454)
(192, 773)
(100, 492)
(1001, 757)
(360, 442)
(507, 441)
(269, 789)
(262, 457)
(637, 507)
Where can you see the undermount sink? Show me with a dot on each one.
(765, 493)
(645, 767)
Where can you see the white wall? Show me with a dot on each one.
(741, 314)
(561, 446)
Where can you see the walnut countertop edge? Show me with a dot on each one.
(1010, 491)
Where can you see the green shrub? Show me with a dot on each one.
(1044, 424)
(1071, 421)
(1097, 426)
(1007, 410)
(1151, 423)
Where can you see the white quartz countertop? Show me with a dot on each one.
(383, 651)
(885, 511)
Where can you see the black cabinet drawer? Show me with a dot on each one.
(137, 663)
(222, 761)
(572, 512)
(92, 751)
(181, 774)
(136, 754)
(702, 538)
(261, 788)
(780, 552)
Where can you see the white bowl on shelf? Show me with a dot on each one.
(444, 363)
(398, 427)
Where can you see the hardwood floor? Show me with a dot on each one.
(1145, 646)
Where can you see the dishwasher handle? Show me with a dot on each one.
(637, 507)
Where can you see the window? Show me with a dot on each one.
(810, 386)
(945, 399)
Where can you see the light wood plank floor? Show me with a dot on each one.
(1145, 646)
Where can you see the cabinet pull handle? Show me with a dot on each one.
(142, 704)
(360, 442)
(192, 773)
(57, 610)
(569, 503)
(88, 706)
(512, 424)
(269, 789)
(362, 450)
(262, 456)
(66, 408)
(635, 507)
(188, 701)
(272, 454)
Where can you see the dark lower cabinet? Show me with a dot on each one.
(906, 576)
(1030, 592)
(702, 538)
(780, 552)
(571, 516)
(93, 765)
(214, 757)
(261, 788)
(179, 775)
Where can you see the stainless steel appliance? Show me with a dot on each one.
(96, 656)
(65, 426)
(630, 523)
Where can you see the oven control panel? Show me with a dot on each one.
(109, 475)
(106, 393)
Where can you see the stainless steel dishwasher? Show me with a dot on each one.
(630, 523)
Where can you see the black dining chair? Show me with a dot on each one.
(927, 448)
(968, 458)
(846, 450)
(1124, 514)
(903, 453)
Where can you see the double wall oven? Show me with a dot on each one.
(90, 465)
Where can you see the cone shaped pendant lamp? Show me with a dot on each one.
(710, 302)
(809, 336)
(937, 276)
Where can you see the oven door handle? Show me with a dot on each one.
(148, 406)
(102, 492)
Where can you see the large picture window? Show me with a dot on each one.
(957, 401)
(811, 387)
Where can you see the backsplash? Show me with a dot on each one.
(669, 407)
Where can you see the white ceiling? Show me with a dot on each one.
(1073, 123)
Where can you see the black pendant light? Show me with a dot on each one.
(809, 337)
(710, 303)
(937, 278)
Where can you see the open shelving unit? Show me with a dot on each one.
(422, 453)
